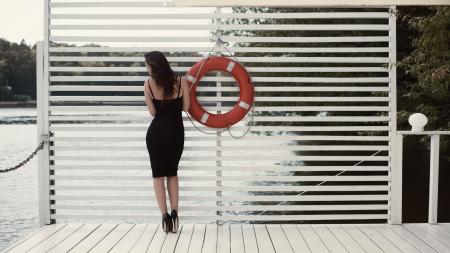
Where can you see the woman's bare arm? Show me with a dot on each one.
(186, 97)
(148, 100)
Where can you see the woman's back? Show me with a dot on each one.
(165, 135)
(172, 106)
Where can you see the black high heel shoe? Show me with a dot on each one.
(174, 218)
(166, 222)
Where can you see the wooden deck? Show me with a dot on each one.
(209, 238)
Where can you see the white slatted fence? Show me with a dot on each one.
(319, 150)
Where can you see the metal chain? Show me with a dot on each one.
(41, 146)
(220, 42)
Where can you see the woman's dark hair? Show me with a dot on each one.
(162, 73)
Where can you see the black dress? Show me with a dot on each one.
(165, 136)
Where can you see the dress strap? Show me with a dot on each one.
(179, 87)
(151, 90)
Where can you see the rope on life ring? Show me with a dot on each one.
(246, 94)
(240, 109)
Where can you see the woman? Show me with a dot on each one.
(166, 94)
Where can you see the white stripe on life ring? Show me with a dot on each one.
(244, 105)
(190, 78)
(230, 66)
(204, 117)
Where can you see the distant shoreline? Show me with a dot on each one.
(20, 104)
(32, 103)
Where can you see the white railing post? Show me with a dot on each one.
(397, 183)
(42, 132)
(395, 147)
(434, 179)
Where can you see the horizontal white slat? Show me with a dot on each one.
(247, 147)
(277, 27)
(271, 188)
(222, 98)
(287, 15)
(120, 108)
(228, 218)
(224, 168)
(226, 79)
(249, 69)
(223, 158)
(237, 128)
(333, 198)
(235, 88)
(275, 138)
(298, 118)
(274, 59)
(224, 38)
(205, 207)
(255, 178)
(112, 4)
(231, 49)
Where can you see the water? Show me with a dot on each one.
(19, 204)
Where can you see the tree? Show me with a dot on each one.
(424, 74)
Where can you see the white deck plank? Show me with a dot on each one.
(444, 225)
(329, 239)
(295, 238)
(210, 241)
(410, 237)
(21, 240)
(95, 237)
(223, 241)
(364, 241)
(425, 234)
(144, 240)
(396, 239)
(443, 228)
(382, 242)
(170, 242)
(198, 236)
(185, 238)
(56, 238)
(130, 239)
(349, 243)
(436, 232)
(279, 239)
(236, 238)
(36, 238)
(74, 238)
(249, 237)
(263, 239)
(107, 243)
(312, 239)
(157, 241)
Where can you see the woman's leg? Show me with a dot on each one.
(160, 192)
(172, 185)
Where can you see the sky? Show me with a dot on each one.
(22, 19)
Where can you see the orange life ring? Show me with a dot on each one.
(246, 95)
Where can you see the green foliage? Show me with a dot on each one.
(424, 69)
(17, 70)
(428, 67)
